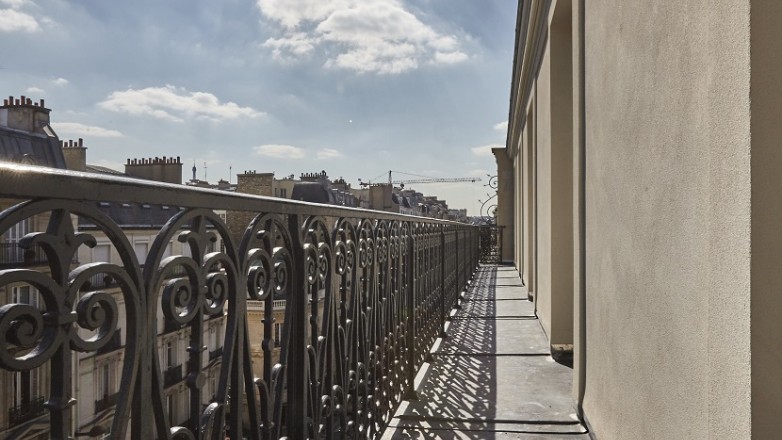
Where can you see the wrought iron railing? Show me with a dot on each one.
(172, 376)
(490, 244)
(106, 402)
(26, 411)
(13, 255)
(388, 282)
(216, 353)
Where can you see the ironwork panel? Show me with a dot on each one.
(364, 295)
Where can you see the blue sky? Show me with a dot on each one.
(353, 87)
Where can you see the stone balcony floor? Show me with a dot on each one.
(492, 377)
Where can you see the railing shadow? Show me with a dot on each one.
(459, 391)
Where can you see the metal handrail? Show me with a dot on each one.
(366, 292)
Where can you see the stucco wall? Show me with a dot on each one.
(667, 219)
(543, 187)
(505, 203)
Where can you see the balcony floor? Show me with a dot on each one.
(493, 376)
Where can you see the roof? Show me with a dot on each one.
(103, 170)
(31, 148)
(312, 192)
(133, 215)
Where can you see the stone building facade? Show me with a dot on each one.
(644, 158)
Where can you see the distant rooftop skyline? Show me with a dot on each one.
(354, 87)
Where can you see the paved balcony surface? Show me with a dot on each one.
(492, 377)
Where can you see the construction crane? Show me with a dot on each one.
(422, 179)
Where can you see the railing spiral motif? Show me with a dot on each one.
(366, 295)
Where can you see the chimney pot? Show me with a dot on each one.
(24, 100)
(177, 159)
(17, 101)
(10, 99)
(128, 162)
(81, 142)
(5, 102)
(41, 102)
(29, 101)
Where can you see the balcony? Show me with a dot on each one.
(113, 344)
(26, 411)
(106, 402)
(12, 255)
(367, 294)
(172, 376)
(215, 354)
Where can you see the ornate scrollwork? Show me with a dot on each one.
(69, 308)
(364, 298)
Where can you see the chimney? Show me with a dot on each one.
(155, 168)
(21, 114)
(75, 154)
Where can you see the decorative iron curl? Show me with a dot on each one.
(210, 280)
(51, 333)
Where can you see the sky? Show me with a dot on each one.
(352, 87)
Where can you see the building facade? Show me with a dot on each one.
(642, 186)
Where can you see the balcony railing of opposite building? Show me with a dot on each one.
(106, 402)
(114, 343)
(172, 375)
(366, 295)
(216, 353)
(13, 255)
(26, 411)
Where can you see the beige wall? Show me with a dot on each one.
(667, 219)
(505, 203)
(527, 179)
(666, 345)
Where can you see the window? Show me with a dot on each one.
(277, 334)
(141, 249)
(169, 251)
(214, 337)
(105, 380)
(171, 404)
(101, 253)
(170, 353)
(26, 387)
(18, 231)
(24, 295)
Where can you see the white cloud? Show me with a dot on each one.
(501, 126)
(280, 151)
(450, 57)
(378, 36)
(12, 20)
(328, 153)
(485, 150)
(34, 89)
(60, 81)
(15, 3)
(290, 47)
(478, 172)
(175, 104)
(77, 129)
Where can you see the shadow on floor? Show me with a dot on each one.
(492, 377)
